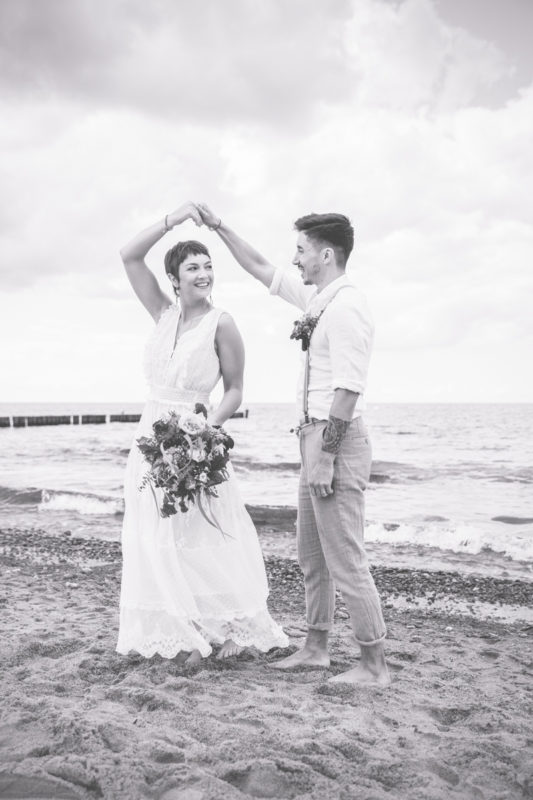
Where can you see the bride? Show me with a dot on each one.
(184, 584)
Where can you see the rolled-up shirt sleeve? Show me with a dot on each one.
(290, 288)
(350, 333)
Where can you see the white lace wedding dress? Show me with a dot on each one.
(185, 585)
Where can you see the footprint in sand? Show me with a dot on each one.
(448, 716)
(114, 738)
(12, 786)
(101, 671)
(296, 631)
(336, 690)
(394, 666)
(54, 649)
(187, 793)
(404, 656)
(75, 770)
(442, 771)
(269, 779)
(167, 754)
(140, 699)
(489, 654)
(243, 722)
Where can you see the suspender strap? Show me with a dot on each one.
(306, 387)
(308, 358)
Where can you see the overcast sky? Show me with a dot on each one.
(414, 118)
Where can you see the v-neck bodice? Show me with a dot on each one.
(175, 338)
(185, 367)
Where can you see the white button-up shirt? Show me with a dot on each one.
(341, 343)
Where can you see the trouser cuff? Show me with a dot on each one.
(369, 644)
(319, 626)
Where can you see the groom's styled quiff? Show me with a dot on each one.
(334, 230)
(182, 250)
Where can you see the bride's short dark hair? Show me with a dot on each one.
(333, 229)
(182, 250)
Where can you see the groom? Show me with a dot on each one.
(336, 334)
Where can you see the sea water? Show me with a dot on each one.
(452, 481)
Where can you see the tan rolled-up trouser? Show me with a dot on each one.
(330, 535)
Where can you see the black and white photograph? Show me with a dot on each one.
(266, 419)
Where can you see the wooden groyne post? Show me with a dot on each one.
(240, 414)
(56, 419)
(79, 419)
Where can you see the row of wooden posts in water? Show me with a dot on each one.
(80, 419)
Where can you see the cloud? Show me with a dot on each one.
(271, 111)
(267, 60)
(408, 58)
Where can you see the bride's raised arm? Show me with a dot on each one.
(143, 280)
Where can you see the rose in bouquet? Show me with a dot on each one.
(188, 460)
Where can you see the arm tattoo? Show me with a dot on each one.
(334, 433)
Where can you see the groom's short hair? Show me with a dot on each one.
(334, 230)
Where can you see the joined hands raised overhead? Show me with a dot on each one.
(208, 217)
(188, 210)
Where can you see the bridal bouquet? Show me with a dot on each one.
(187, 459)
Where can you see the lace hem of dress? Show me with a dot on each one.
(155, 632)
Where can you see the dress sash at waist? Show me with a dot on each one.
(171, 395)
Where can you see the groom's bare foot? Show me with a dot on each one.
(371, 671)
(303, 658)
(228, 649)
(314, 653)
(362, 676)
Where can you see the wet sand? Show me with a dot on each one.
(80, 721)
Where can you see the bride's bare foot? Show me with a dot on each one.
(228, 649)
(194, 658)
(371, 671)
(314, 653)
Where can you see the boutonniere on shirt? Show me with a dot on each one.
(304, 327)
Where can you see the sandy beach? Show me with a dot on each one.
(80, 721)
